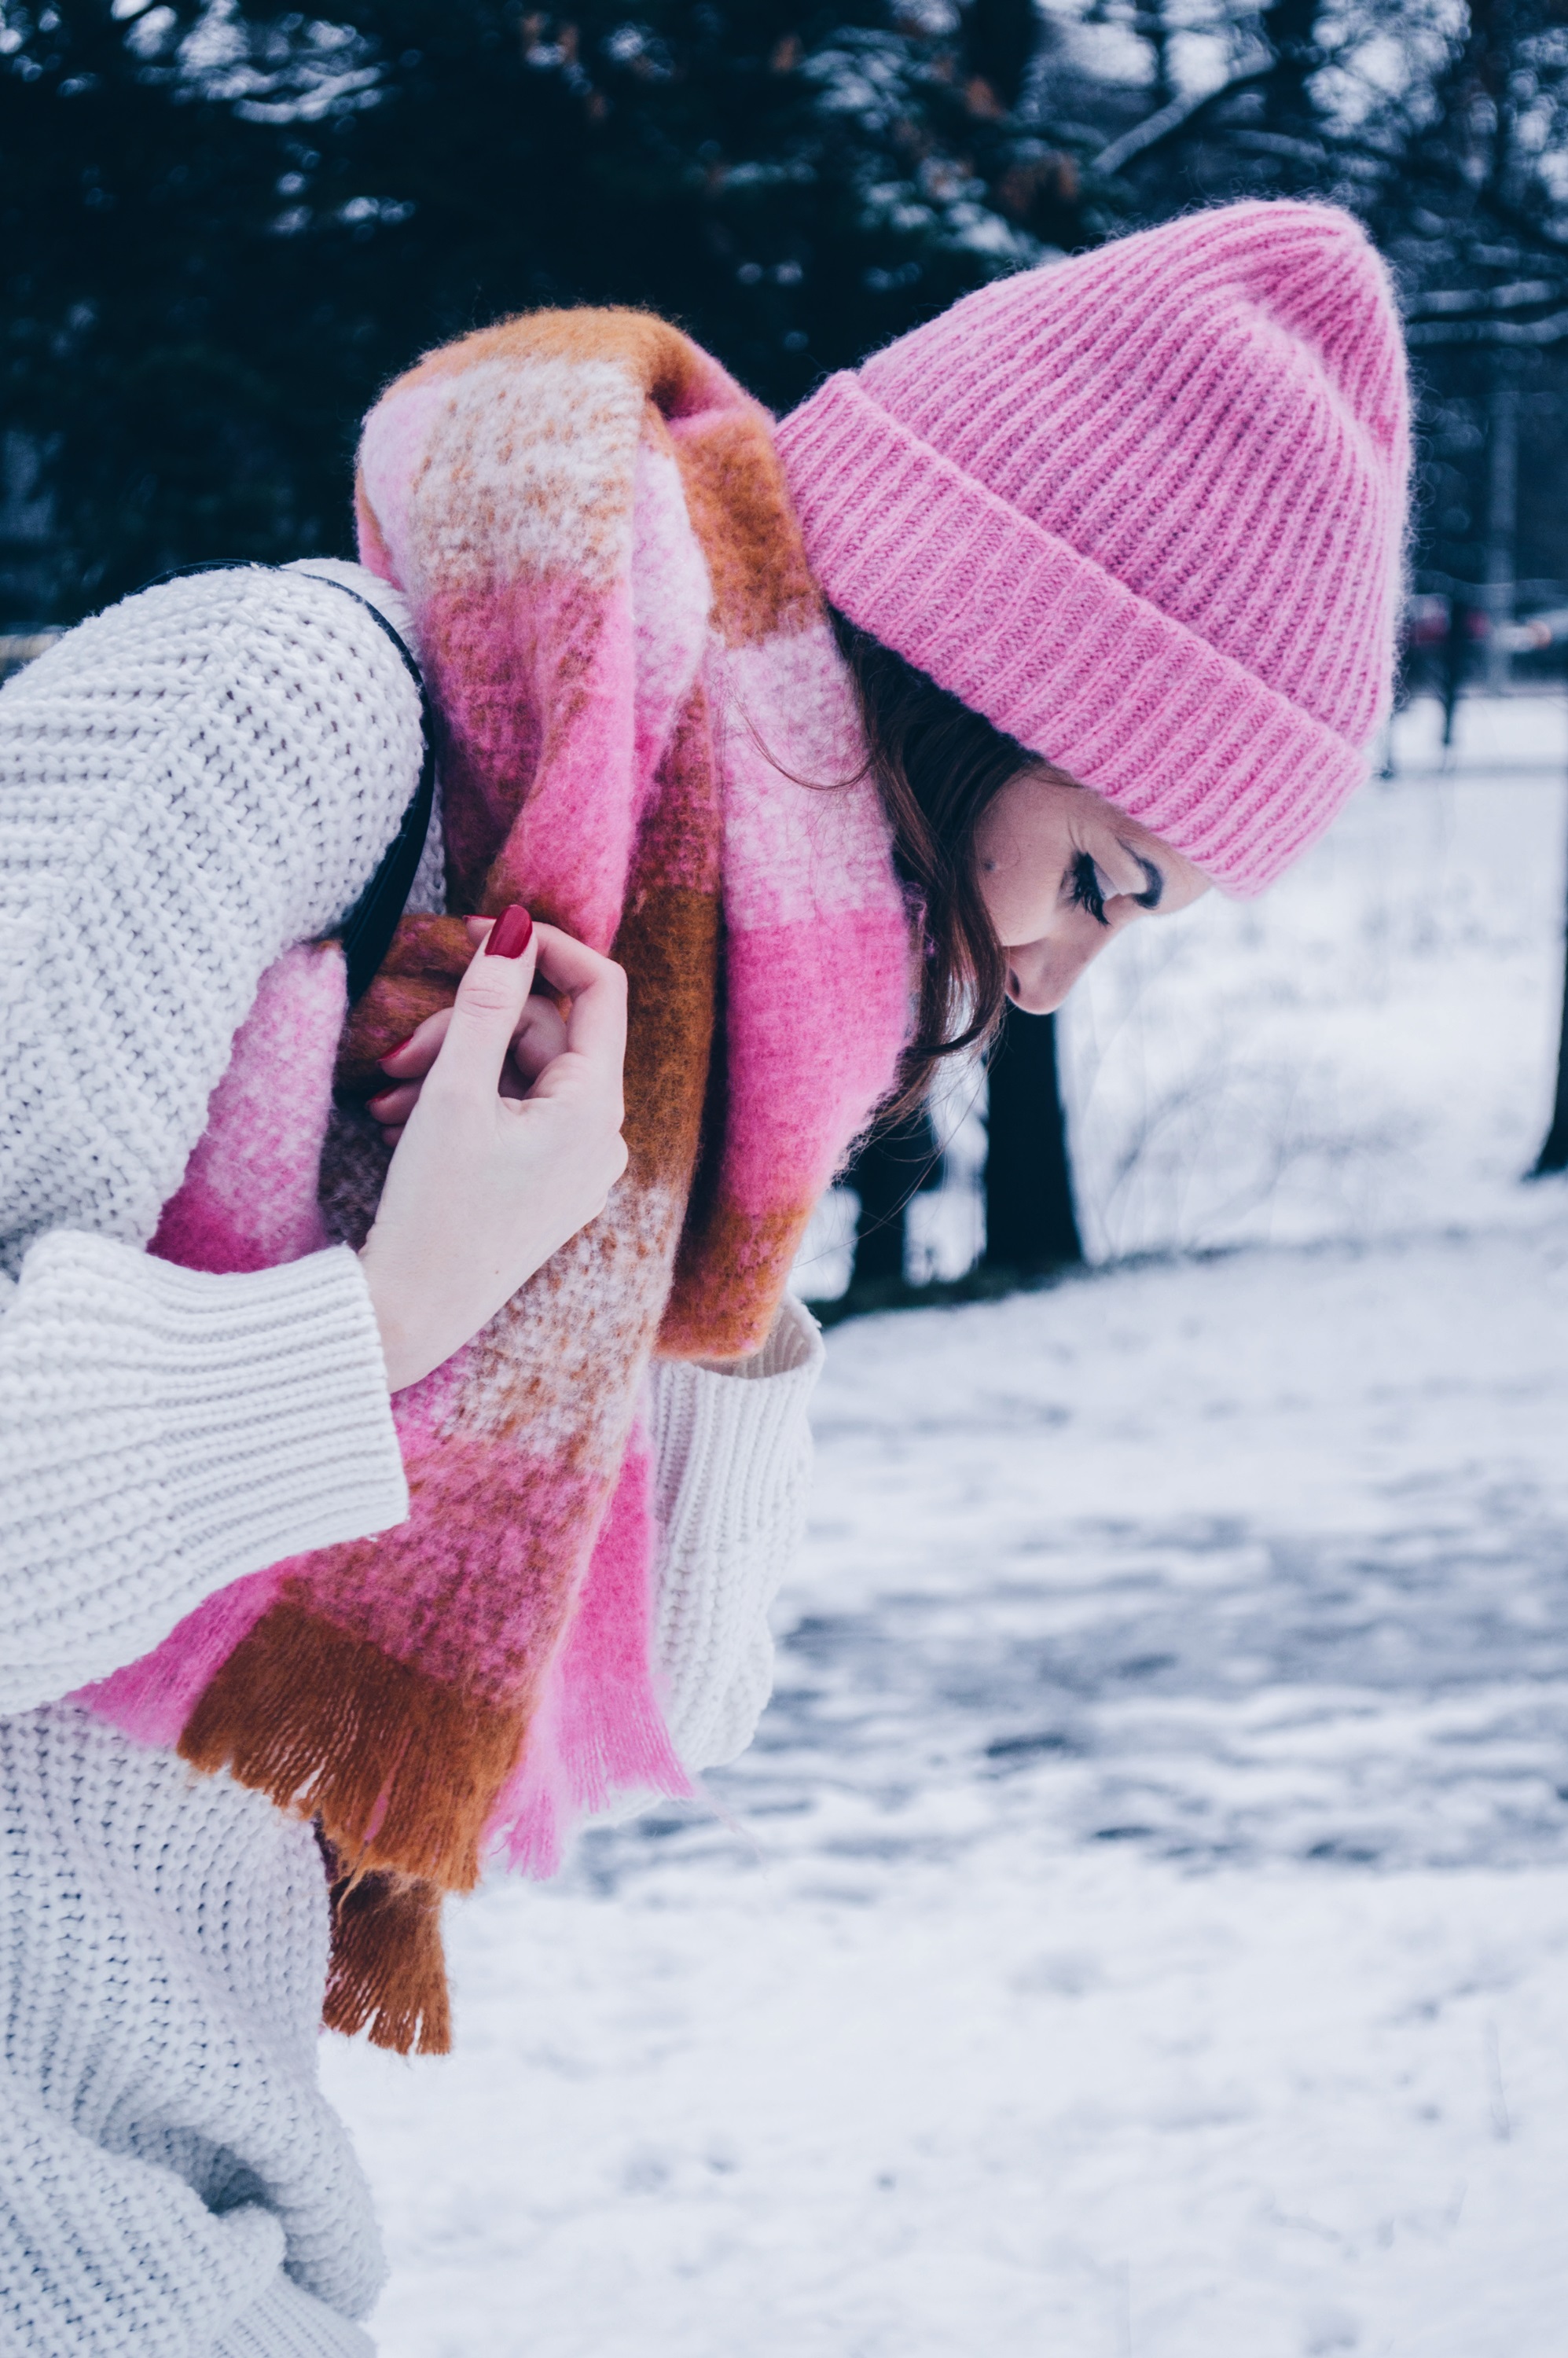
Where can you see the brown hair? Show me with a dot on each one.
(937, 766)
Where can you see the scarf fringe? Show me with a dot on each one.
(580, 1760)
(389, 1975)
(403, 1773)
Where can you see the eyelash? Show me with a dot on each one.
(1085, 891)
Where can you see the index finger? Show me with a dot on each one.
(595, 988)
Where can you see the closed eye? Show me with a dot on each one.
(1083, 891)
(1153, 880)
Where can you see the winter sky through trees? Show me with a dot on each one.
(225, 225)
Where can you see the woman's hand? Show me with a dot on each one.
(541, 1035)
(495, 1169)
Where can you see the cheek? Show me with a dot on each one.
(1022, 845)
(1018, 903)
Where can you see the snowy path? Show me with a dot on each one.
(1124, 1957)
(1142, 1928)
(1266, 1559)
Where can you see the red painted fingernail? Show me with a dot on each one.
(511, 934)
(395, 1052)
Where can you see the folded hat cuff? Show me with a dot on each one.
(1056, 651)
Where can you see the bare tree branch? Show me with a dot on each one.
(1167, 120)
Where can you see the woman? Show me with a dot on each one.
(1059, 610)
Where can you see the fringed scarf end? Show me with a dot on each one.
(388, 1974)
(401, 1771)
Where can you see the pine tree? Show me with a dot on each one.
(161, 367)
(794, 185)
(224, 228)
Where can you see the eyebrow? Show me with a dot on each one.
(1153, 879)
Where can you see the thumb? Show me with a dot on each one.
(488, 1006)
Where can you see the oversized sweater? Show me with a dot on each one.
(175, 810)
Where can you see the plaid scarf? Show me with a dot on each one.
(649, 739)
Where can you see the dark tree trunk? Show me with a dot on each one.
(1455, 661)
(895, 1164)
(1553, 1155)
(1000, 37)
(1031, 1223)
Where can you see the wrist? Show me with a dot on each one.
(396, 1350)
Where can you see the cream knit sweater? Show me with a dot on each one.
(189, 784)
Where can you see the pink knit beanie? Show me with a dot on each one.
(1145, 512)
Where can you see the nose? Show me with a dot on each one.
(1041, 975)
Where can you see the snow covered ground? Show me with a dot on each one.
(1140, 1929)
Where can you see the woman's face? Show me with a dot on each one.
(1062, 873)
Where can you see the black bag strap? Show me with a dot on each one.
(366, 932)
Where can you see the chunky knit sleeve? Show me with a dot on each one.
(103, 2257)
(289, 2323)
(99, 2255)
(165, 1432)
(189, 784)
(731, 1477)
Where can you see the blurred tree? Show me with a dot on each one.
(225, 224)
(165, 382)
(224, 227)
(897, 1162)
(1031, 1223)
(792, 185)
(1444, 127)
(1478, 229)
(1278, 118)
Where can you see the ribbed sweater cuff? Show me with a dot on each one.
(735, 1429)
(289, 2323)
(172, 1430)
(732, 1474)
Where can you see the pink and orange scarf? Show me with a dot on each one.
(634, 677)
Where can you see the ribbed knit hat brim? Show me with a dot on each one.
(1160, 541)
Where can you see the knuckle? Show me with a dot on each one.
(486, 999)
(609, 973)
